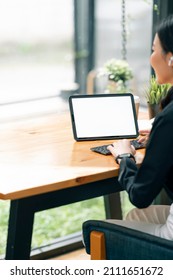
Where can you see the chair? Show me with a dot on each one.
(104, 240)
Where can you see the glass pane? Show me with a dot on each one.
(36, 48)
(62, 221)
(139, 36)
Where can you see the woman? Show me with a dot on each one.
(156, 172)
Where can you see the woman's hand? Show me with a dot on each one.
(121, 147)
(144, 135)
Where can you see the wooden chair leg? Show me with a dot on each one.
(90, 81)
(97, 246)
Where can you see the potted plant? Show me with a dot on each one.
(154, 94)
(118, 73)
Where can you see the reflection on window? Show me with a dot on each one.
(36, 45)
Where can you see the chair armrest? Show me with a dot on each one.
(128, 244)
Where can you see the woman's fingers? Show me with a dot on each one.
(144, 131)
(121, 147)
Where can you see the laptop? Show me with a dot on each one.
(103, 116)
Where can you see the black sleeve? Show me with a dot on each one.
(145, 183)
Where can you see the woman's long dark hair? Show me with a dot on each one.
(165, 34)
(169, 98)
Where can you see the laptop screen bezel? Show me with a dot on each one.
(84, 96)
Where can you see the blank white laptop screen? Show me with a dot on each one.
(104, 116)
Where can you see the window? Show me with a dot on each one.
(139, 35)
(36, 52)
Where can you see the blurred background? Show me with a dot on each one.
(46, 46)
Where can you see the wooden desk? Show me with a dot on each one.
(43, 167)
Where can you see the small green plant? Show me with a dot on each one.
(118, 70)
(156, 92)
(119, 73)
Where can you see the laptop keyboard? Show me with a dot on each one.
(101, 150)
(104, 151)
(137, 145)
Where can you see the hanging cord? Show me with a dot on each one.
(124, 33)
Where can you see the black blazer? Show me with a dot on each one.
(143, 184)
